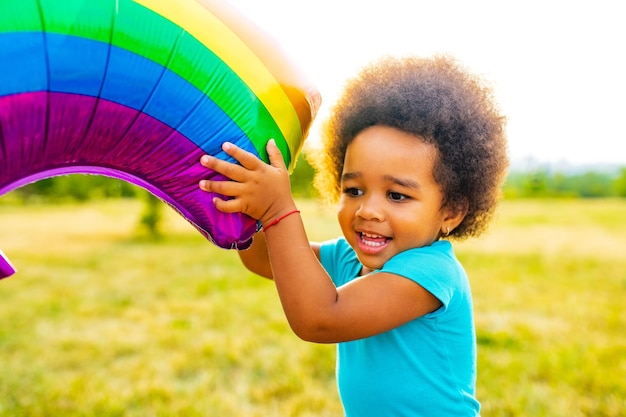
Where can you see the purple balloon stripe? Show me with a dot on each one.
(48, 134)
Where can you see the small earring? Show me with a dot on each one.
(447, 231)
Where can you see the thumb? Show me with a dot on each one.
(276, 157)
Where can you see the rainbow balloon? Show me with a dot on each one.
(139, 90)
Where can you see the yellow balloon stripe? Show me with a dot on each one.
(219, 38)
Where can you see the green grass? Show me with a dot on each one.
(99, 320)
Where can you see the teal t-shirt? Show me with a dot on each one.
(426, 367)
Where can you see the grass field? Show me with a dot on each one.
(101, 321)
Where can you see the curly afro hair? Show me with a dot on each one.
(441, 103)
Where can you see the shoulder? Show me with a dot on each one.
(433, 257)
(434, 267)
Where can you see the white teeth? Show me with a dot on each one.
(381, 240)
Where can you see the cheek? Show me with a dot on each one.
(344, 216)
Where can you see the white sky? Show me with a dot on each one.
(558, 67)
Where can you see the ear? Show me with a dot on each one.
(453, 216)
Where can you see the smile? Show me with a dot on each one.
(371, 243)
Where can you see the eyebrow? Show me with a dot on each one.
(403, 182)
(350, 176)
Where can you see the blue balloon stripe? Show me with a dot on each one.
(77, 65)
(23, 63)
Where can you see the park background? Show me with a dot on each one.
(121, 308)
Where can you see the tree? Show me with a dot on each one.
(152, 215)
(619, 184)
(593, 185)
(302, 178)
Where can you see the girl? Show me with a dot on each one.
(414, 153)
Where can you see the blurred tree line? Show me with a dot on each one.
(542, 183)
(539, 183)
(536, 183)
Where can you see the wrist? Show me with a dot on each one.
(274, 220)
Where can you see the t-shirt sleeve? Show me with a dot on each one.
(339, 260)
(428, 267)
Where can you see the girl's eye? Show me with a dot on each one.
(353, 192)
(394, 196)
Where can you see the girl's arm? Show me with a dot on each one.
(316, 310)
(256, 257)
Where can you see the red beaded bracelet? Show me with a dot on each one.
(274, 222)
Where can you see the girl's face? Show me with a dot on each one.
(390, 201)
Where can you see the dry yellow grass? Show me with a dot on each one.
(102, 321)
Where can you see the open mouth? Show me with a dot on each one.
(371, 242)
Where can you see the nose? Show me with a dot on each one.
(370, 209)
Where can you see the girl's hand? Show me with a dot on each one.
(259, 190)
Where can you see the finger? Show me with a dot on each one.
(207, 160)
(276, 157)
(223, 199)
(245, 158)
(225, 188)
(228, 169)
(225, 205)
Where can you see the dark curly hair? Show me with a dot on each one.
(442, 103)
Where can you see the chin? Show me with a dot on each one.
(371, 265)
